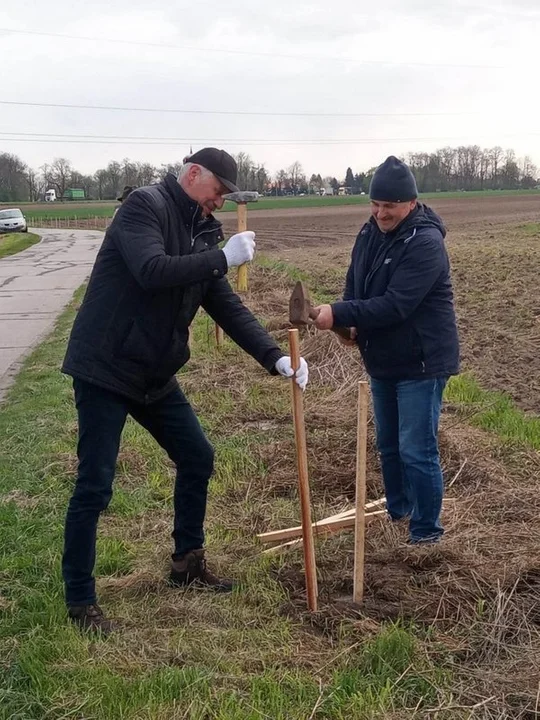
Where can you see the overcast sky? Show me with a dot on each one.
(411, 76)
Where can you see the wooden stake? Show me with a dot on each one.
(360, 525)
(296, 531)
(329, 529)
(242, 277)
(292, 532)
(303, 480)
(219, 336)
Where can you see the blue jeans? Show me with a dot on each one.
(102, 415)
(407, 416)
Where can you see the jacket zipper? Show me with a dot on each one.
(212, 228)
(384, 255)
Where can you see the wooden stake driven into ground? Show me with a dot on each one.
(361, 462)
(303, 480)
(241, 198)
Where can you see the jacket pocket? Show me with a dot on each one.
(137, 346)
(398, 346)
(176, 356)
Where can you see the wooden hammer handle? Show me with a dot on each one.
(303, 479)
(242, 278)
(343, 332)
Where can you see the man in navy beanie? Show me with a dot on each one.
(398, 304)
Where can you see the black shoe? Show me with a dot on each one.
(90, 618)
(429, 540)
(191, 569)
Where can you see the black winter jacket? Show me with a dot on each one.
(399, 297)
(159, 262)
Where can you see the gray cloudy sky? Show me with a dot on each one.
(398, 76)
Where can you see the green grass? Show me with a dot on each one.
(91, 209)
(12, 243)
(179, 655)
(530, 229)
(311, 201)
(82, 212)
(494, 411)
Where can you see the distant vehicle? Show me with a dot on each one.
(50, 196)
(12, 220)
(74, 194)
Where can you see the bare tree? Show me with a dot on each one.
(296, 176)
(58, 175)
(495, 157)
(281, 181)
(147, 174)
(13, 178)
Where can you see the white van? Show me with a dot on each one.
(50, 196)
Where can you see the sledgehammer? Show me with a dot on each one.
(241, 199)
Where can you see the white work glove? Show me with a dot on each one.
(240, 248)
(283, 366)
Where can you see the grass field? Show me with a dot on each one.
(180, 654)
(445, 633)
(12, 243)
(104, 209)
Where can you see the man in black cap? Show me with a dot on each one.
(398, 304)
(158, 264)
(126, 192)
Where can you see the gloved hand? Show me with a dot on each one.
(240, 248)
(283, 366)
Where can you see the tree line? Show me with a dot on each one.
(461, 168)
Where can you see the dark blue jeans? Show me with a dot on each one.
(102, 415)
(407, 416)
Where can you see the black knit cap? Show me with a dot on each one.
(393, 181)
(218, 162)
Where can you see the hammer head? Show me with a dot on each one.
(299, 305)
(242, 196)
(301, 311)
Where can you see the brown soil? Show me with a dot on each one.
(495, 270)
(479, 591)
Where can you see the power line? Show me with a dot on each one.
(262, 142)
(250, 53)
(239, 112)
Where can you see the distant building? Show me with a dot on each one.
(74, 194)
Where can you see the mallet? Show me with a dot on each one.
(301, 311)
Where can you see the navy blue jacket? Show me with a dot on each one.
(158, 264)
(399, 297)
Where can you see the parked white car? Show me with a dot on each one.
(12, 220)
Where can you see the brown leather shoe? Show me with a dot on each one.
(90, 618)
(191, 569)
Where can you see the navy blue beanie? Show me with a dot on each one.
(393, 181)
